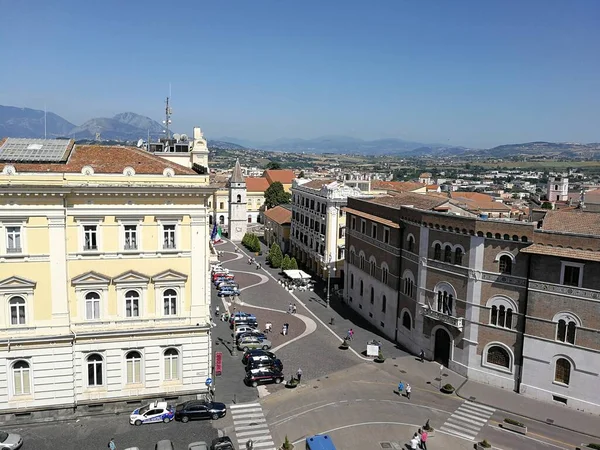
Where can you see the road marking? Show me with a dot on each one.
(245, 406)
(250, 424)
(543, 439)
(467, 420)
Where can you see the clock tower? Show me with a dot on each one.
(238, 211)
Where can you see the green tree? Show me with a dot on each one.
(285, 264)
(275, 195)
(273, 165)
(301, 174)
(293, 264)
(546, 205)
(275, 255)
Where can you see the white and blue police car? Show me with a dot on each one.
(152, 413)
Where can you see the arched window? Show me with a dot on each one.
(445, 302)
(132, 304)
(437, 252)
(239, 198)
(384, 275)
(498, 356)
(565, 331)
(372, 266)
(170, 302)
(171, 362)
(95, 370)
(92, 305)
(458, 255)
(383, 304)
(562, 371)
(372, 295)
(505, 264)
(361, 287)
(411, 243)
(501, 316)
(21, 374)
(133, 361)
(362, 261)
(249, 219)
(448, 254)
(351, 281)
(406, 321)
(408, 284)
(17, 311)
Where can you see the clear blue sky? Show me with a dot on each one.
(475, 73)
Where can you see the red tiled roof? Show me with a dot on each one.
(539, 249)
(398, 186)
(256, 184)
(572, 221)
(477, 196)
(281, 175)
(317, 184)
(410, 199)
(104, 159)
(279, 214)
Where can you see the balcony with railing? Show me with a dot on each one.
(456, 322)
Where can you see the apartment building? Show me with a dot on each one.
(505, 303)
(98, 249)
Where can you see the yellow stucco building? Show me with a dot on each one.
(104, 276)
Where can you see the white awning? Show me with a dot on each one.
(297, 274)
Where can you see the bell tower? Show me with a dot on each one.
(238, 212)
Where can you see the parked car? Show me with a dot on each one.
(200, 445)
(10, 441)
(257, 355)
(229, 283)
(242, 329)
(263, 375)
(226, 276)
(152, 413)
(248, 342)
(256, 333)
(222, 443)
(195, 409)
(228, 292)
(220, 280)
(165, 444)
(268, 363)
(239, 315)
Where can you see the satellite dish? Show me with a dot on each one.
(176, 136)
(140, 143)
(184, 137)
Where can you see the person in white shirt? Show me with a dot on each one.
(414, 442)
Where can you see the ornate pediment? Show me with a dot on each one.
(169, 276)
(131, 276)
(15, 282)
(90, 278)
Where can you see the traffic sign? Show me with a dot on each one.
(208, 381)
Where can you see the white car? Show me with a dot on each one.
(152, 413)
(10, 441)
(243, 329)
(200, 445)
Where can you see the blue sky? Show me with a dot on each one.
(475, 73)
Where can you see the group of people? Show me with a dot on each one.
(292, 309)
(401, 388)
(419, 440)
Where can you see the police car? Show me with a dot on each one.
(152, 413)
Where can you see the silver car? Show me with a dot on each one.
(10, 441)
(200, 445)
(253, 342)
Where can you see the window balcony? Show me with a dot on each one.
(14, 250)
(456, 322)
(130, 246)
(169, 246)
(89, 248)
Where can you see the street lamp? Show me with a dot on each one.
(329, 269)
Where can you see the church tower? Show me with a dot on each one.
(238, 212)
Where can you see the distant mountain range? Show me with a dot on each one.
(129, 127)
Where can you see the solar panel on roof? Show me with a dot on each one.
(34, 150)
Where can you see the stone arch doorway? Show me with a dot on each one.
(441, 351)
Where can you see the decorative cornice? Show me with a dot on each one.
(589, 294)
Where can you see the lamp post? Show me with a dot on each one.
(329, 258)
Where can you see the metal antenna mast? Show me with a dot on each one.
(168, 112)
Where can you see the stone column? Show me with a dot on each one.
(199, 276)
(58, 269)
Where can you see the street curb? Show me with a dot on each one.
(457, 392)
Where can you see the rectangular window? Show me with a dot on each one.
(571, 275)
(92, 307)
(374, 231)
(353, 223)
(90, 237)
(17, 311)
(130, 237)
(134, 370)
(342, 233)
(386, 235)
(363, 226)
(169, 237)
(13, 239)
(340, 253)
(322, 228)
(221, 205)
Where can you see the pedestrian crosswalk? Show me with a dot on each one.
(467, 420)
(250, 424)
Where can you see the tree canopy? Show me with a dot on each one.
(275, 256)
(276, 195)
(273, 165)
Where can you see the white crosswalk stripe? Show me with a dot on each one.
(467, 420)
(250, 423)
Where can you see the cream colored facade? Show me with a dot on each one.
(104, 282)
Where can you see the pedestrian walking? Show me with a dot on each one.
(217, 311)
(112, 444)
(268, 327)
(284, 330)
(400, 387)
(287, 328)
(422, 355)
(294, 309)
(424, 436)
(351, 334)
(414, 442)
(299, 374)
(408, 390)
(290, 309)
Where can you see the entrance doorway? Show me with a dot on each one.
(442, 347)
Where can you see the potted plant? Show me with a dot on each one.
(344, 345)
(379, 358)
(483, 444)
(447, 389)
(287, 444)
(429, 429)
(514, 425)
(292, 383)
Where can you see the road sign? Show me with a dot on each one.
(208, 381)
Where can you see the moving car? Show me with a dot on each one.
(258, 355)
(152, 413)
(10, 441)
(222, 443)
(263, 375)
(268, 363)
(200, 445)
(195, 409)
(255, 333)
(248, 342)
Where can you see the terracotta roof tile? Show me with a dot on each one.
(477, 196)
(410, 199)
(256, 184)
(398, 186)
(317, 184)
(104, 159)
(279, 214)
(572, 221)
(281, 175)
(539, 249)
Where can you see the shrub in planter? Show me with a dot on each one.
(286, 444)
(448, 388)
(380, 357)
(292, 383)
(514, 422)
(484, 444)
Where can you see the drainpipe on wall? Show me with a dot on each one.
(522, 336)
(74, 372)
(399, 279)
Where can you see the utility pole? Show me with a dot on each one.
(329, 258)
